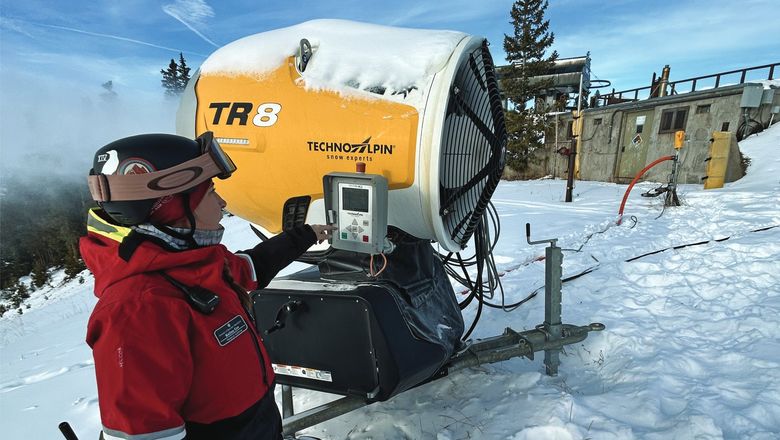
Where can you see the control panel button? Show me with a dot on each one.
(365, 238)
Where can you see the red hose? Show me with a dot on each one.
(631, 185)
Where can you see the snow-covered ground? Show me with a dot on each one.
(691, 348)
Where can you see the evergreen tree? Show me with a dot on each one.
(183, 72)
(40, 274)
(170, 80)
(72, 263)
(19, 295)
(175, 77)
(526, 52)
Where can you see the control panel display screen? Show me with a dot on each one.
(354, 199)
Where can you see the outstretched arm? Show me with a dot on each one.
(276, 253)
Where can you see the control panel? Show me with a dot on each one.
(356, 203)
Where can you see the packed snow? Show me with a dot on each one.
(690, 350)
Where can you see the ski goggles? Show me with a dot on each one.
(213, 162)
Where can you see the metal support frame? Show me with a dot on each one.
(550, 336)
(552, 306)
(671, 198)
(510, 344)
(575, 147)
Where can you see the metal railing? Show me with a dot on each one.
(678, 87)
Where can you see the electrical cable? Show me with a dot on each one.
(663, 209)
(484, 285)
(371, 266)
(512, 307)
(698, 243)
(587, 239)
(477, 293)
(487, 281)
(535, 292)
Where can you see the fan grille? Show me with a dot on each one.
(473, 145)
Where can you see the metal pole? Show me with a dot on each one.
(664, 81)
(287, 401)
(574, 145)
(320, 414)
(555, 166)
(671, 199)
(580, 122)
(552, 306)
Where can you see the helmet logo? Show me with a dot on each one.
(135, 165)
(111, 159)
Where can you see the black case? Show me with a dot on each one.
(369, 337)
(359, 336)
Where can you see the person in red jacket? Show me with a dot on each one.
(176, 352)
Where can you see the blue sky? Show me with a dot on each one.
(88, 42)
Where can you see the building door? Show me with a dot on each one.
(637, 127)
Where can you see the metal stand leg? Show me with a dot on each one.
(552, 327)
(287, 402)
(552, 306)
(671, 198)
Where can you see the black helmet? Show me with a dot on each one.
(130, 174)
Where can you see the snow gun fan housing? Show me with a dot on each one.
(419, 107)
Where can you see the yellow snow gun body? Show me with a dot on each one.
(279, 105)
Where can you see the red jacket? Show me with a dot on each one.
(161, 365)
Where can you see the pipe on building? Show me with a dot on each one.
(664, 81)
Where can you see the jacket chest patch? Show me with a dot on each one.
(230, 330)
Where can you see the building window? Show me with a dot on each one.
(673, 119)
(724, 127)
(596, 122)
(700, 109)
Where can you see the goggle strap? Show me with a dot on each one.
(118, 188)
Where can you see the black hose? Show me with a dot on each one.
(67, 431)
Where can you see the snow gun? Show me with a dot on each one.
(397, 138)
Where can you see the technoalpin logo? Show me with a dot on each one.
(365, 147)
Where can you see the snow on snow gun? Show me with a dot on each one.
(279, 103)
(670, 189)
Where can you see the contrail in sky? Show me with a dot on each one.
(115, 37)
(194, 11)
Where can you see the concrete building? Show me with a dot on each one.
(618, 140)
